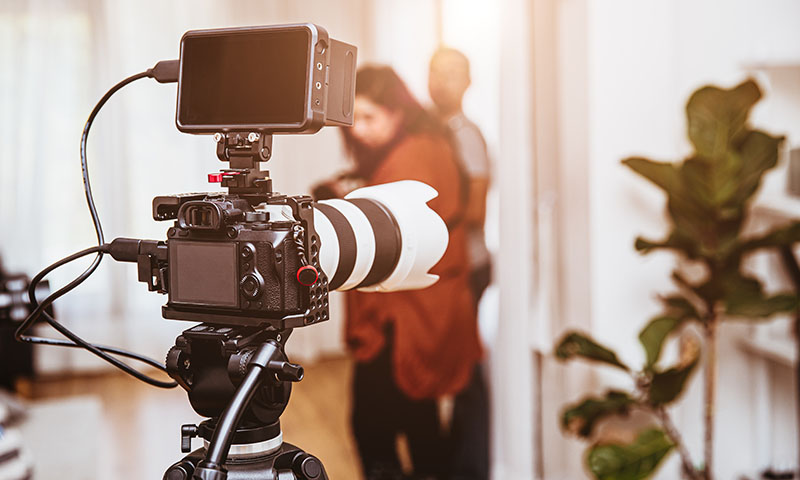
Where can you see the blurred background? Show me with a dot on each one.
(562, 90)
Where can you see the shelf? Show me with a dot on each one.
(777, 65)
(781, 205)
(778, 349)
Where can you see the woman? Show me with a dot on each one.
(410, 347)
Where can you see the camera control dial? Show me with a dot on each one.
(251, 285)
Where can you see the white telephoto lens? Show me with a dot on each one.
(382, 238)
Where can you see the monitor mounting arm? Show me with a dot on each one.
(244, 151)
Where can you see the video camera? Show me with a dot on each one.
(251, 264)
(255, 257)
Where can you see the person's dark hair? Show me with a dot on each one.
(382, 85)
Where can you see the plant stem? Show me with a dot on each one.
(672, 433)
(710, 390)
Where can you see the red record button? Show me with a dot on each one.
(214, 178)
(307, 275)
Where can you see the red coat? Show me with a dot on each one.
(436, 344)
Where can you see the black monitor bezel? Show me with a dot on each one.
(305, 124)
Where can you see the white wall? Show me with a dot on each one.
(512, 358)
(644, 60)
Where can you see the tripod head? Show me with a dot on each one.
(209, 362)
(241, 379)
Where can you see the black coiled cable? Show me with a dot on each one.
(74, 340)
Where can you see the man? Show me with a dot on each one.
(448, 80)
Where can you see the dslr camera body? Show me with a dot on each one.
(232, 262)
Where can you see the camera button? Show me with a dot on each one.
(250, 286)
(307, 275)
(255, 216)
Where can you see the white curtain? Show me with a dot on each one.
(58, 58)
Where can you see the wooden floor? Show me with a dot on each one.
(140, 425)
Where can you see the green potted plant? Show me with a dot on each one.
(708, 199)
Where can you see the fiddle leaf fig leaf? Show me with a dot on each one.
(744, 296)
(678, 310)
(645, 246)
(674, 242)
(666, 386)
(779, 237)
(653, 335)
(685, 284)
(697, 177)
(681, 307)
(716, 116)
(663, 174)
(710, 218)
(758, 153)
(580, 419)
(578, 345)
(759, 306)
(684, 212)
(634, 461)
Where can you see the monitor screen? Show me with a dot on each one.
(244, 78)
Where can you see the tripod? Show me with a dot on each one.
(234, 367)
(240, 378)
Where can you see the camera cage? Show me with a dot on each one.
(246, 183)
(234, 367)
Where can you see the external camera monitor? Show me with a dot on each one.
(287, 78)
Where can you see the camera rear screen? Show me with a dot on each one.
(203, 273)
(244, 78)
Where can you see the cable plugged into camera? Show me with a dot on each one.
(150, 257)
(147, 254)
(130, 249)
